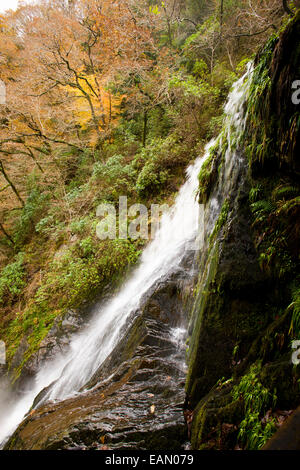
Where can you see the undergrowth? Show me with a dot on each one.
(254, 431)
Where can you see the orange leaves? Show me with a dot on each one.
(59, 64)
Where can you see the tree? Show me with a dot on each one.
(286, 7)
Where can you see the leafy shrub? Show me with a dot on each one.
(157, 162)
(284, 192)
(150, 179)
(208, 173)
(12, 278)
(75, 193)
(78, 226)
(262, 207)
(31, 212)
(73, 279)
(114, 176)
(255, 194)
(49, 226)
(194, 87)
(45, 225)
(87, 247)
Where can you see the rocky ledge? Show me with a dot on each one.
(134, 401)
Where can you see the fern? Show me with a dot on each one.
(262, 206)
(285, 192)
(255, 193)
(286, 208)
(295, 307)
(253, 434)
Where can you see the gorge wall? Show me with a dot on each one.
(239, 308)
(245, 311)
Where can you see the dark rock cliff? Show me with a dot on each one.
(241, 326)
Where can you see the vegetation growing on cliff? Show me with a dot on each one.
(256, 277)
(107, 99)
(253, 431)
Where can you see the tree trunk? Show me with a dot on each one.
(145, 128)
(221, 15)
(34, 159)
(286, 7)
(6, 234)
(11, 183)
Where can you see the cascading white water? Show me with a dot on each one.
(179, 228)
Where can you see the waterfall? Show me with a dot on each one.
(179, 230)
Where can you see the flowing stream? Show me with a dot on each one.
(180, 230)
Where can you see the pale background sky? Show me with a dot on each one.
(8, 4)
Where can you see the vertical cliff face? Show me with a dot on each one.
(245, 309)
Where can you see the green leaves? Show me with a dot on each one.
(263, 206)
(114, 176)
(31, 212)
(84, 269)
(192, 86)
(254, 432)
(149, 180)
(12, 278)
(295, 308)
(156, 163)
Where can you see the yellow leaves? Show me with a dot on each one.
(18, 126)
(154, 10)
(3, 26)
(106, 106)
(152, 409)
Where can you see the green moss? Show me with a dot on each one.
(208, 174)
(273, 122)
(203, 299)
(221, 221)
(77, 276)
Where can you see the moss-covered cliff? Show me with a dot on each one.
(246, 306)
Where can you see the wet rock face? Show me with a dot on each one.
(134, 401)
(227, 307)
(56, 341)
(285, 70)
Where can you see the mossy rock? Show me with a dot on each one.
(216, 419)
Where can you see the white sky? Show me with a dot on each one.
(7, 5)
